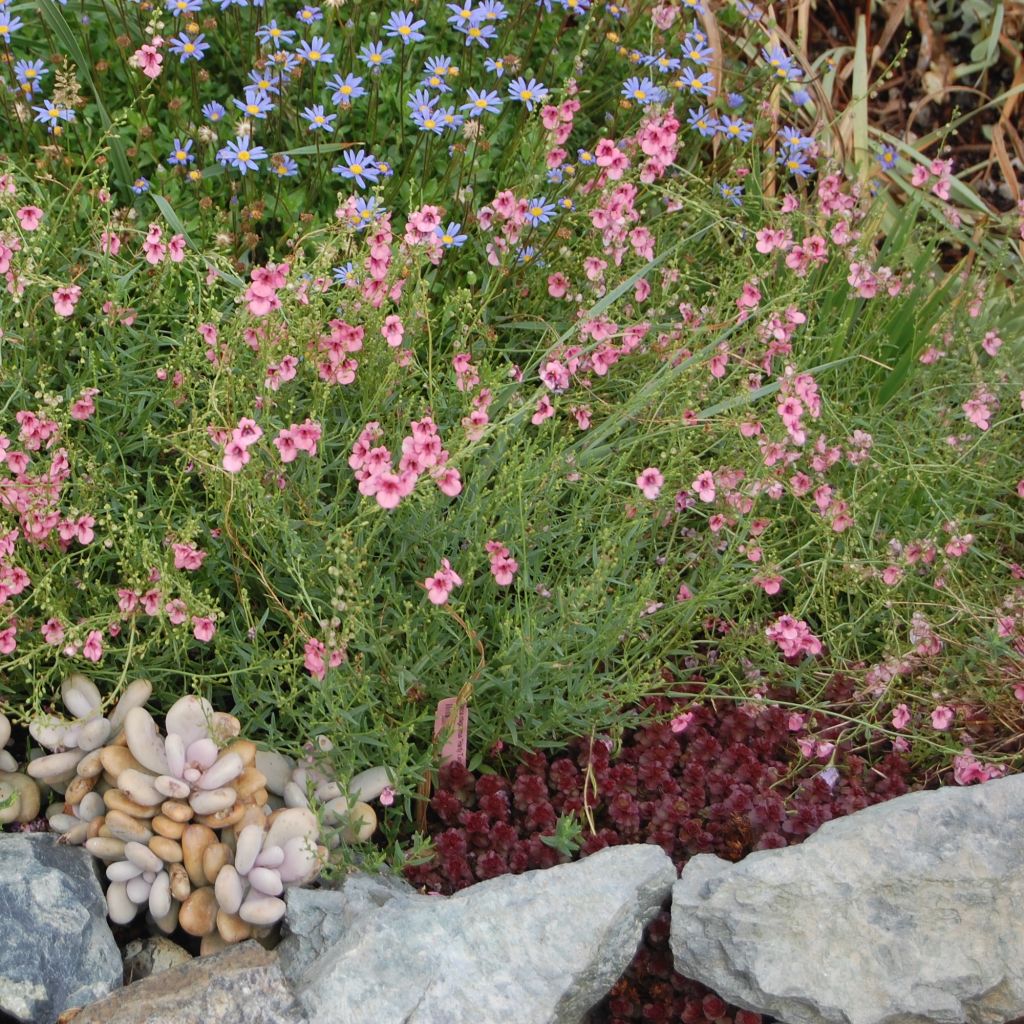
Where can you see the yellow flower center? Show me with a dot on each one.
(243, 154)
(356, 168)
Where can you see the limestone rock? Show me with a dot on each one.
(316, 919)
(146, 957)
(906, 912)
(538, 948)
(56, 950)
(243, 983)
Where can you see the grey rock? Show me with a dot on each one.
(241, 984)
(907, 912)
(318, 918)
(146, 957)
(538, 948)
(56, 950)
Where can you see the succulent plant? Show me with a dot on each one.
(342, 805)
(140, 879)
(267, 858)
(19, 795)
(7, 762)
(72, 739)
(188, 765)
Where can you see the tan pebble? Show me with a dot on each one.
(225, 818)
(91, 765)
(116, 759)
(104, 832)
(94, 827)
(177, 810)
(194, 840)
(260, 797)
(198, 914)
(105, 848)
(124, 826)
(164, 826)
(245, 749)
(248, 783)
(78, 788)
(117, 801)
(181, 887)
(232, 928)
(211, 944)
(166, 849)
(214, 858)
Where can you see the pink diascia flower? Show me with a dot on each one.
(65, 298)
(900, 716)
(188, 557)
(942, 717)
(53, 632)
(8, 640)
(967, 769)
(83, 406)
(794, 637)
(29, 217)
(650, 482)
(149, 59)
(503, 566)
(442, 583)
(681, 722)
(92, 649)
(203, 628)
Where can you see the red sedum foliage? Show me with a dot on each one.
(732, 782)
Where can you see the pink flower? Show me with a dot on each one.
(393, 330)
(65, 298)
(83, 407)
(149, 60)
(449, 481)
(203, 628)
(92, 649)
(387, 796)
(704, 486)
(314, 658)
(389, 490)
(503, 569)
(545, 410)
(8, 640)
(900, 716)
(235, 456)
(650, 482)
(794, 637)
(176, 611)
(286, 446)
(29, 217)
(53, 632)
(188, 557)
(891, 575)
(942, 717)
(440, 585)
(681, 722)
